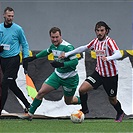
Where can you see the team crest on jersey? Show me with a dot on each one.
(100, 52)
(56, 52)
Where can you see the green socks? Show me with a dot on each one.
(79, 101)
(35, 104)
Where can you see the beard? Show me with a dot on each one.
(100, 37)
(8, 22)
(56, 43)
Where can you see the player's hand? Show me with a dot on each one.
(1, 48)
(62, 55)
(56, 64)
(29, 59)
(104, 58)
(25, 62)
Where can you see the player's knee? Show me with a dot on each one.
(82, 92)
(85, 87)
(40, 95)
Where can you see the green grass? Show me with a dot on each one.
(65, 126)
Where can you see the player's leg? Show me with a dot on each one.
(19, 94)
(117, 105)
(13, 69)
(110, 86)
(83, 92)
(45, 89)
(72, 100)
(4, 92)
(37, 101)
(50, 84)
(5, 67)
(92, 82)
(69, 87)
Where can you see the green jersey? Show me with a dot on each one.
(70, 63)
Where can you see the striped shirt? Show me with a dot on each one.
(70, 63)
(104, 48)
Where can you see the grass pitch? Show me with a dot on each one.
(65, 126)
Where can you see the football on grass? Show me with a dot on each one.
(77, 116)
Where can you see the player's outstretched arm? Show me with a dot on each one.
(25, 62)
(75, 51)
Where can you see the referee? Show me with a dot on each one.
(12, 38)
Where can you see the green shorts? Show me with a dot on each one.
(69, 84)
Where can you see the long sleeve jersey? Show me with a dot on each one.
(107, 48)
(70, 63)
(13, 39)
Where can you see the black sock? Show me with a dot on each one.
(118, 108)
(84, 98)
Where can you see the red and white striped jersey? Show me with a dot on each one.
(104, 48)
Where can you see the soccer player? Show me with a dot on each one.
(11, 39)
(65, 73)
(106, 71)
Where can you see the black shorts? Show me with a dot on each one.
(110, 84)
(10, 66)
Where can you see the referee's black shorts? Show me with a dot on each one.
(10, 66)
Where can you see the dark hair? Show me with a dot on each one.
(54, 30)
(8, 9)
(101, 23)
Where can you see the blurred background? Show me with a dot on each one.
(76, 19)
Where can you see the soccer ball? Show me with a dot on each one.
(77, 116)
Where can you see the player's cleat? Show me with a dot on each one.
(84, 111)
(119, 117)
(26, 116)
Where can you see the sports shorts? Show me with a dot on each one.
(10, 66)
(110, 84)
(69, 85)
